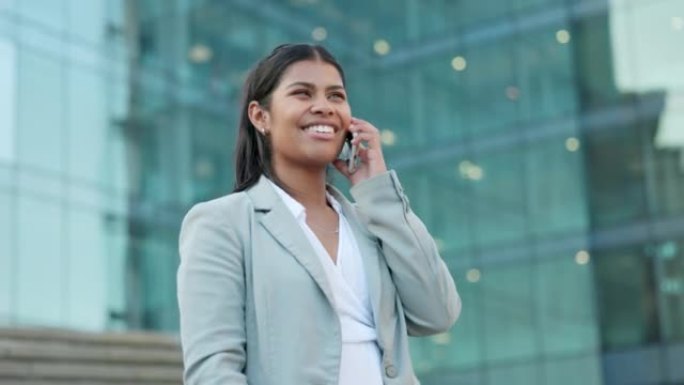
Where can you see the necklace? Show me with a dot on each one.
(325, 230)
(328, 231)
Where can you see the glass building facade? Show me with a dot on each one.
(542, 142)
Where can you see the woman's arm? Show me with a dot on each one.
(211, 292)
(425, 287)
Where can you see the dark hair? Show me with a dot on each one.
(253, 151)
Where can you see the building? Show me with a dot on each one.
(540, 140)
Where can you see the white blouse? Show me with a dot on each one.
(360, 360)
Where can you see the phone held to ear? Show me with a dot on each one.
(349, 153)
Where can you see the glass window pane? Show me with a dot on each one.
(574, 370)
(544, 76)
(210, 163)
(472, 12)
(627, 300)
(115, 259)
(40, 264)
(50, 13)
(667, 180)
(556, 198)
(40, 183)
(448, 200)
(90, 28)
(8, 103)
(508, 311)
(7, 257)
(88, 126)
(157, 263)
(515, 374)
(7, 5)
(492, 89)
(458, 349)
(595, 80)
(616, 176)
(86, 298)
(565, 300)
(497, 181)
(467, 349)
(118, 163)
(670, 258)
(40, 135)
(7, 177)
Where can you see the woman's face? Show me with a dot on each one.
(308, 116)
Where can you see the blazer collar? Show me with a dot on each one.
(278, 220)
(262, 195)
(368, 247)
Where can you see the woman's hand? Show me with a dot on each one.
(372, 162)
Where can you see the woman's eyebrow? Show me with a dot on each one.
(312, 86)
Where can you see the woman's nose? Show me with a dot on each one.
(321, 106)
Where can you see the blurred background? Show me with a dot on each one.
(540, 140)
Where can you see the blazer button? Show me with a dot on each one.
(391, 371)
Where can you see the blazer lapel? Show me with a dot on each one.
(369, 252)
(278, 220)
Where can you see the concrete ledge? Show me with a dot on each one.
(56, 357)
(71, 382)
(51, 351)
(83, 372)
(132, 338)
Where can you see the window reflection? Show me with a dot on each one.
(669, 259)
(627, 298)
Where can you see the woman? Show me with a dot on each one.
(284, 281)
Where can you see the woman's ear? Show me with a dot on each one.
(258, 116)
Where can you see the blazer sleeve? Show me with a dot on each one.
(424, 285)
(211, 292)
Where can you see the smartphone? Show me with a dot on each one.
(351, 163)
(349, 153)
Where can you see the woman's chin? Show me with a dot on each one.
(321, 161)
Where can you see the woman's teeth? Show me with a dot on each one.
(321, 128)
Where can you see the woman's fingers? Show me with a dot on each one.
(368, 137)
(367, 140)
(358, 125)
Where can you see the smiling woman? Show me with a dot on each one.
(285, 281)
(281, 76)
(306, 118)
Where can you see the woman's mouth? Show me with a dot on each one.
(320, 131)
(320, 128)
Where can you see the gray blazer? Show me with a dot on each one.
(255, 306)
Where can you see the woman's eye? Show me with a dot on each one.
(337, 96)
(301, 92)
